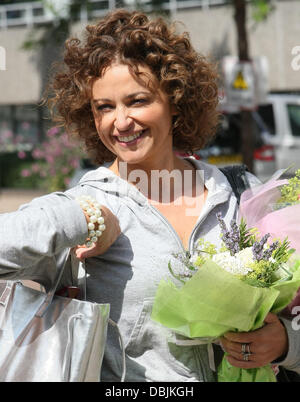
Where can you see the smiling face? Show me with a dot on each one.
(132, 122)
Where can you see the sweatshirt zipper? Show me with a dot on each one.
(156, 211)
(161, 216)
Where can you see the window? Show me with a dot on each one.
(27, 123)
(21, 127)
(294, 118)
(265, 118)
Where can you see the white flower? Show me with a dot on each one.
(193, 258)
(246, 255)
(238, 264)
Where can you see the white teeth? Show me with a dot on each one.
(131, 137)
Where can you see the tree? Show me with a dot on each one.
(49, 39)
(261, 10)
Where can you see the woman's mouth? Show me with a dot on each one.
(131, 139)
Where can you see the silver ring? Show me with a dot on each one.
(246, 349)
(246, 356)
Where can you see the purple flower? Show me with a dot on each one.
(267, 253)
(258, 248)
(231, 237)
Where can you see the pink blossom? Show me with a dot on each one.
(35, 168)
(67, 181)
(53, 131)
(57, 152)
(21, 155)
(7, 134)
(74, 163)
(37, 153)
(65, 170)
(25, 125)
(19, 139)
(25, 173)
(52, 172)
(49, 159)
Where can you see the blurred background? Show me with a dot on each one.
(256, 44)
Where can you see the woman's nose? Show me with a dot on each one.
(123, 121)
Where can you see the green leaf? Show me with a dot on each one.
(261, 10)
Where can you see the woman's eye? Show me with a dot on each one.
(138, 101)
(104, 107)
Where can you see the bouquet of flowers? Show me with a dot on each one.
(228, 289)
(274, 207)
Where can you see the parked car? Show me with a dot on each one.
(282, 117)
(277, 137)
(225, 149)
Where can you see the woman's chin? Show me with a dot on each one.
(137, 159)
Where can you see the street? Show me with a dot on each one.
(11, 199)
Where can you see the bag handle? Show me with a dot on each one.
(236, 175)
(60, 265)
(4, 295)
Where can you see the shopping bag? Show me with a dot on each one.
(49, 338)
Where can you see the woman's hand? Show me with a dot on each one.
(108, 237)
(265, 344)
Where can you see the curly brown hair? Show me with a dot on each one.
(131, 38)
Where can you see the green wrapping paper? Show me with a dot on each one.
(214, 302)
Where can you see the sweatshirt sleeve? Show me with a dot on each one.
(292, 359)
(32, 236)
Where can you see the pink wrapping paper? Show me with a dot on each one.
(256, 207)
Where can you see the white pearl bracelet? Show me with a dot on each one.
(96, 221)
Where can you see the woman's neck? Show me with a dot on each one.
(161, 164)
(162, 182)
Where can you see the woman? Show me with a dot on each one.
(135, 92)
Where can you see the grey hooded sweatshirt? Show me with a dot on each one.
(128, 273)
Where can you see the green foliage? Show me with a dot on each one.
(247, 236)
(290, 193)
(261, 9)
(11, 166)
(178, 277)
(283, 252)
(261, 274)
(206, 247)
